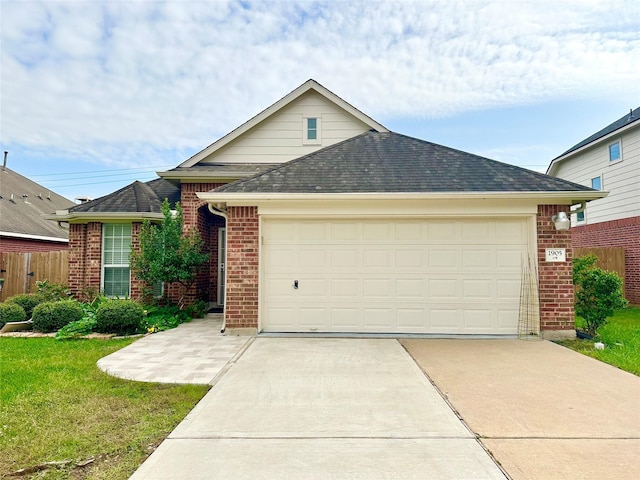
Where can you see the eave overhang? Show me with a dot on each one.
(218, 199)
(103, 217)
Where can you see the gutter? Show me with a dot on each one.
(33, 237)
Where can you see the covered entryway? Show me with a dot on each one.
(385, 275)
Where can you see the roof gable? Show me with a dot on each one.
(386, 162)
(137, 197)
(306, 89)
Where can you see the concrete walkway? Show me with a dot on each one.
(544, 411)
(321, 408)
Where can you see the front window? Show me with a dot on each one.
(596, 183)
(116, 247)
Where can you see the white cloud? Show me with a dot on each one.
(117, 80)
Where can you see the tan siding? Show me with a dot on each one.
(620, 179)
(279, 138)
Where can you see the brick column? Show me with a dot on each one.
(85, 257)
(555, 279)
(241, 308)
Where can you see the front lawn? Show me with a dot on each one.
(58, 406)
(621, 336)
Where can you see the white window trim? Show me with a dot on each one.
(619, 142)
(114, 265)
(318, 139)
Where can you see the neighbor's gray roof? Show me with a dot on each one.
(629, 118)
(390, 162)
(137, 197)
(24, 214)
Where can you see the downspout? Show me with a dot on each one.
(583, 206)
(219, 211)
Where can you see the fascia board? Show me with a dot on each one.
(103, 217)
(247, 199)
(283, 102)
(554, 163)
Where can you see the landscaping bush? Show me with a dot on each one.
(11, 312)
(28, 301)
(77, 329)
(52, 292)
(52, 316)
(598, 293)
(159, 318)
(122, 317)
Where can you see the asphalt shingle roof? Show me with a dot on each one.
(391, 162)
(630, 117)
(23, 214)
(137, 197)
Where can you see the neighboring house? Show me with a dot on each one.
(23, 205)
(609, 160)
(319, 219)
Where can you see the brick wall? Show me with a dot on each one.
(242, 267)
(555, 279)
(85, 257)
(23, 245)
(616, 233)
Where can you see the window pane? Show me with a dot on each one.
(580, 216)
(596, 183)
(312, 128)
(614, 152)
(116, 281)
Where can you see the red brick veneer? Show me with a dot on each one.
(555, 280)
(243, 243)
(616, 233)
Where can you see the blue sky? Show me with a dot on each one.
(95, 95)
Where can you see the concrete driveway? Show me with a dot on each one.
(313, 408)
(544, 411)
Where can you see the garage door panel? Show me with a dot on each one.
(405, 275)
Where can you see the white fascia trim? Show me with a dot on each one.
(594, 143)
(33, 237)
(284, 101)
(106, 217)
(247, 199)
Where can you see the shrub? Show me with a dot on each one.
(598, 293)
(161, 318)
(52, 316)
(77, 329)
(122, 317)
(28, 301)
(11, 312)
(53, 291)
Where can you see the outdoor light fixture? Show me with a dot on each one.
(561, 221)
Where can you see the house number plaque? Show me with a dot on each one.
(556, 255)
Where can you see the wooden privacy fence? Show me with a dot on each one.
(21, 270)
(610, 259)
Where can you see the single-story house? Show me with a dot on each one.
(319, 219)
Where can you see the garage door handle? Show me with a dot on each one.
(295, 284)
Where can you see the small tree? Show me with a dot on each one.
(166, 254)
(598, 292)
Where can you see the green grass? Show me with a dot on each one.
(621, 336)
(57, 405)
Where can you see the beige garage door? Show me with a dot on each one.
(392, 276)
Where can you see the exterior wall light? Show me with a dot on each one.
(561, 221)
